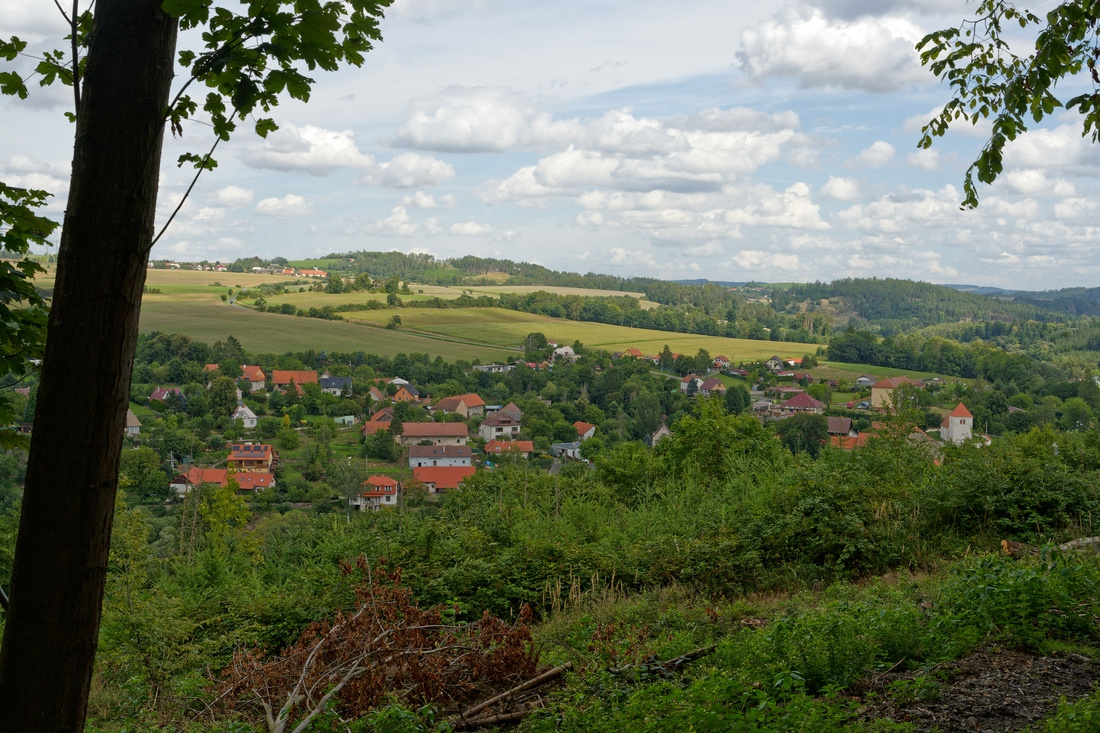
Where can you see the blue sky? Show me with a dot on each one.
(721, 139)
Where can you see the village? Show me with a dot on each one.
(406, 442)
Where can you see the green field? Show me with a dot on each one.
(190, 303)
(508, 328)
(277, 334)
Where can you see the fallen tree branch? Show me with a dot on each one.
(671, 664)
(533, 682)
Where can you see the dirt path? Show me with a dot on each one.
(989, 691)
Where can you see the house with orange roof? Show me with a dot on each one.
(370, 427)
(255, 377)
(378, 492)
(436, 433)
(196, 476)
(437, 479)
(585, 430)
(281, 379)
(521, 448)
(246, 457)
(313, 273)
(406, 393)
(958, 425)
(882, 391)
(634, 353)
(466, 405)
(255, 481)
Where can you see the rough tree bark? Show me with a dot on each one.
(64, 531)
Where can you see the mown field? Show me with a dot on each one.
(271, 333)
(190, 302)
(508, 328)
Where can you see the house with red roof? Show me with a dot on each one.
(312, 273)
(802, 402)
(634, 353)
(255, 481)
(437, 433)
(161, 393)
(378, 492)
(196, 476)
(585, 430)
(437, 479)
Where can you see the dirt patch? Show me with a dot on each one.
(989, 691)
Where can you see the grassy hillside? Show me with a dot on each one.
(508, 328)
(270, 333)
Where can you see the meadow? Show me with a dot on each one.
(189, 302)
(277, 334)
(508, 328)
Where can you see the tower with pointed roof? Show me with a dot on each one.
(957, 426)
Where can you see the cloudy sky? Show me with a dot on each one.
(724, 139)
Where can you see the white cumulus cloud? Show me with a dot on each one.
(288, 206)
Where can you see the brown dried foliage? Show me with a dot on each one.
(386, 646)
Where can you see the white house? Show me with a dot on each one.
(957, 427)
(500, 427)
(378, 492)
(566, 353)
(245, 415)
(439, 455)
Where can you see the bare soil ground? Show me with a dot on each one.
(989, 691)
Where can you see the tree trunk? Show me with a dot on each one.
(64, 532)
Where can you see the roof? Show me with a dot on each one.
(249, 451)
(450, 404)
(839, 425)
(499, 420)
(435, 429)
(801, 401)
(960, 411)
(196, 476)
(496, 447)
(891, 382)
(633, 352)
(440, 451)
(583, 427)
(254, 481)
(688, 378)
(410, 389)
(210, 367)
(253, 373)
(243, 412)
(299, 376)
(379, 485)
(713, 383)
(370, 427)
(335, 382)
(160, 393)
(512, 409)
(383, 415)
(132, 420)
(444, 477)
(845, 442)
